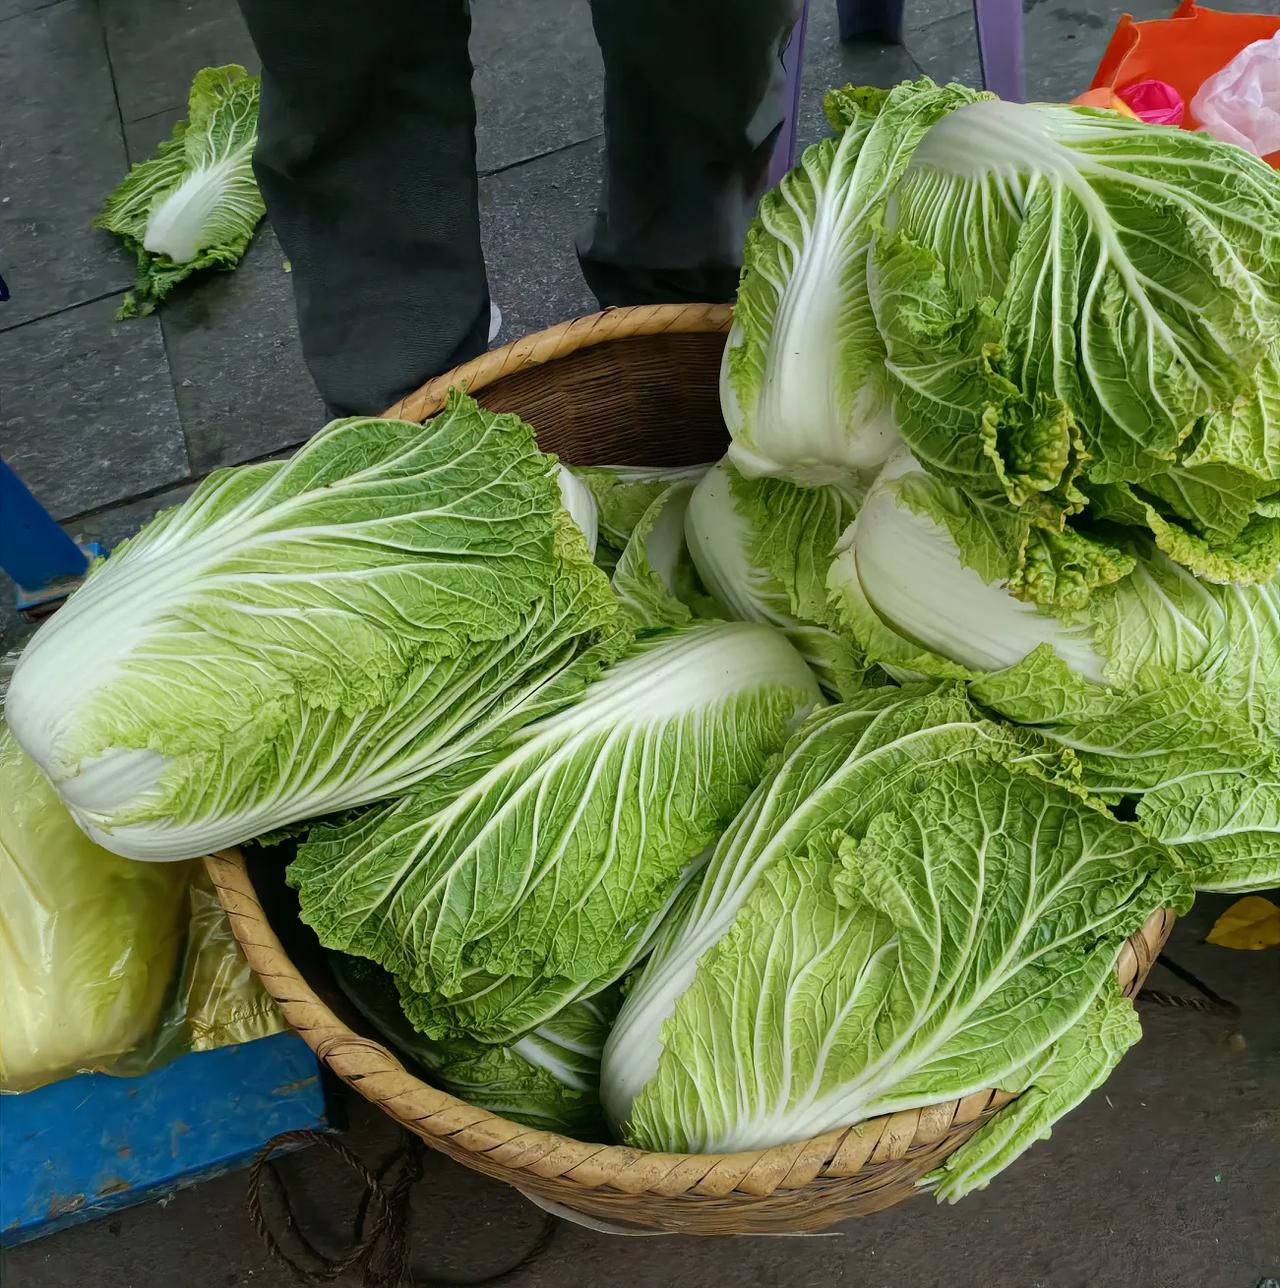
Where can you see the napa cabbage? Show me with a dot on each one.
(622, 494)
(762, 548)
(539, 880)
(89, 942)
(579, 500)
(1166, 687)
(802, 382)
(548, 1079)
(916, 904)
(301, 637)
(655, 578)
(1079, 313)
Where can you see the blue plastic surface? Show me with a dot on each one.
(91, 1145)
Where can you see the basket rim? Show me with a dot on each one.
(520, 1152)
(378, 1074)
(559, 341)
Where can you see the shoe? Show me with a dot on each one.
(495, 321)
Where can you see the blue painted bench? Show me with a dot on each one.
(91, 1145)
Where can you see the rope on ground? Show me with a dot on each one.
(379, 1251)
(1210, 1002)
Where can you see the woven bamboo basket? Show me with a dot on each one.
(637, 386)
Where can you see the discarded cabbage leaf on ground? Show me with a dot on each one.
(195, 204)
(1250, 923)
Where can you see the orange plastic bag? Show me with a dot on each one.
(1184, 50)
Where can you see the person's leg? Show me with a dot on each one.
(694, 98)
(366, 160)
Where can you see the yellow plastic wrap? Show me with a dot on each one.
(218, 1000)
(106, 965)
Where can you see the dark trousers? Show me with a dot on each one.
(366, 159)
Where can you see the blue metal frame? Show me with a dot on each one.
(35, 552)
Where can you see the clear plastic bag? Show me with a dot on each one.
(1241, 103)
(108, 965)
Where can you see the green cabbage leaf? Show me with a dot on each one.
(1080, 312)
(549, 1079)
(1162, 685)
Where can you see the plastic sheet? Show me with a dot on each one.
(108, 965)
(1241, 104)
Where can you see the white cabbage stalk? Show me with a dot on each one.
(719, 539)
(803, 388)
(722, 539)
(215, 200)
(581, 504)
(912, 575)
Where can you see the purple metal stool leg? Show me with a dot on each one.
(998, 24)
(999, 28)
(871, 20)
(784, 152)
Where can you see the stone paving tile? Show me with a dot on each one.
(92, 418)
(144, 136)
(829, 62)
(529, 217)
(11, 8)
(539, 82)
(62, 154)
(538, 79)
(156, 48)
(242, 387)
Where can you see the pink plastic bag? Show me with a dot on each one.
(1154, 101)
(1241, 103)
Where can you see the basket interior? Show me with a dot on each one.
(640, 400)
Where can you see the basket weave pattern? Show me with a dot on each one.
(633, 385)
